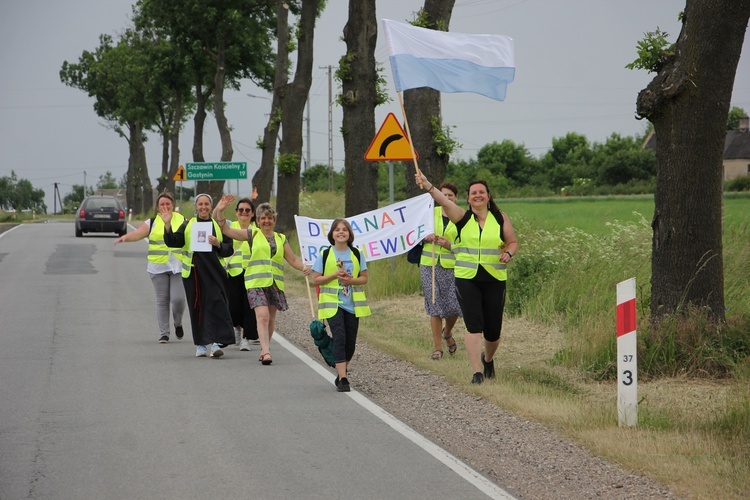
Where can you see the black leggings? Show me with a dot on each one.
(242, 314)
(344, 326)
(482, 303)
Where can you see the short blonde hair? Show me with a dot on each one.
(265, 209)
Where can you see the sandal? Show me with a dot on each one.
(265, 358)
(452, 348)
(437, 354)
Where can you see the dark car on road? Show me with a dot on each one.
(101, 214)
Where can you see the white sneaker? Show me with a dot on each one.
(216, 351)
(244, 345)
(237, 334)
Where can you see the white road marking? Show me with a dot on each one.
(470, 475)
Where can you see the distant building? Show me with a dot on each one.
(736, 150)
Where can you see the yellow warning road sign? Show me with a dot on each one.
(180, 174)
(390, 143)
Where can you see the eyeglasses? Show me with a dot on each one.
(244, 210)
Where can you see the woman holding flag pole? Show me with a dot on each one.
(485, 244)
(438, 282)
(482, 64)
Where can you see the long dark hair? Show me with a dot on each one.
(491, 206)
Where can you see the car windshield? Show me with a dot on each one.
(95, 203)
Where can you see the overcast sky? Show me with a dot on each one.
(570, 77)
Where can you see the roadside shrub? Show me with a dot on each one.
(738, 184)
(693, 345)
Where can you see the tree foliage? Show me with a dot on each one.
(316, 178)
(19, 194)
(107, 181)
(733, 120)
(74, 198)
(117, 77)
(222, 42)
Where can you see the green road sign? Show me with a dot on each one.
(219, 171)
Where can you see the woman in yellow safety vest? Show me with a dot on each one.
(264, 275)
(341, 273)
(204, 277)
(164, 267)
(485, 244)
(243, 316)
(441, 303)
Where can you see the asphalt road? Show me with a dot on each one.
(91, 406)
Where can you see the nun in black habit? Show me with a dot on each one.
(203, 275)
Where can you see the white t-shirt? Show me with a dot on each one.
(173, 266)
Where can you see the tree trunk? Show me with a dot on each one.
(688, 103)
(359, 98)
(263, 178)
(174, 141)
(422, 107)
(138, 191)
(199, 123)
(161, 182)
(216, 188)
(132, 183)
(293, 101)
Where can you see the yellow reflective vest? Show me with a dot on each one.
(442, 256)
(475, 247)
(328, 301)
(187, 261)
(241, 256)
(158, 251)
(263, 269)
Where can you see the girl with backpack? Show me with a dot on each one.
(341, 273)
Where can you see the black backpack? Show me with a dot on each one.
(354, 250)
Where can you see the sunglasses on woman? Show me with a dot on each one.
(244, 210)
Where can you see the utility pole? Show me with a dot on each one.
(307, 163)
(330, 126)
(330, 130)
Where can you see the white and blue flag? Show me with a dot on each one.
(449, 62)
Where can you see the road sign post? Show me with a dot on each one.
(627, 355)
(217, 171)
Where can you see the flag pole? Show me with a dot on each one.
(416, 167)
(408, 136)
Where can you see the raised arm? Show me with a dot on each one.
(235, 234)
(454, 212)
(223, 203)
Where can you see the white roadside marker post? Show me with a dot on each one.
(627, 355)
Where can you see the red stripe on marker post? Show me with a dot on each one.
(626, 317)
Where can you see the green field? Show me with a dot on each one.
(592, 214)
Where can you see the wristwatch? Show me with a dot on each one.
(509, 253)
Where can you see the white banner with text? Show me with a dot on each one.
(378, 234)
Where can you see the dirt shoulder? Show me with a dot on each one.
(521, 455)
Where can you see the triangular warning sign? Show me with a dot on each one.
(180, 174)
(390, 143)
